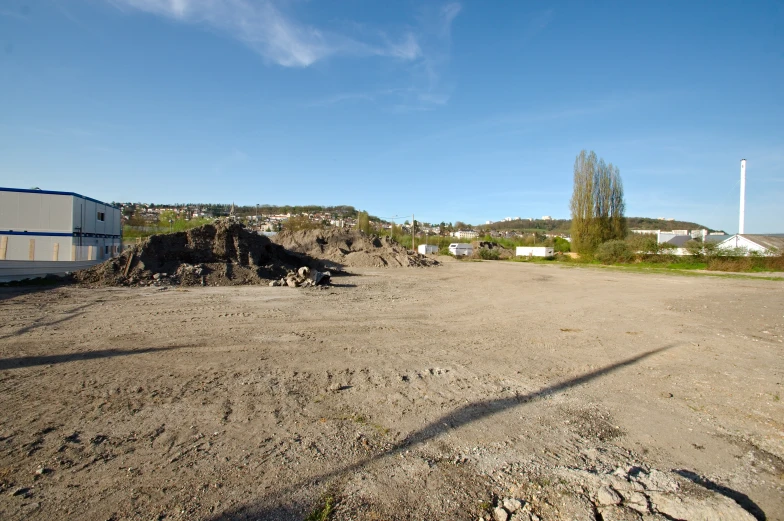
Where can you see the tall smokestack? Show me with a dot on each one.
(742, 196)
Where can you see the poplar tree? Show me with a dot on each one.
(597, 203)
(363, 223)
(582, 201)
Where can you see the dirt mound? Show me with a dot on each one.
(352, 249)
(222, 253)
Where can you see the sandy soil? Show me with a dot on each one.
(401, 394)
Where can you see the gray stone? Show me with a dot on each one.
(607, 496)
(712, 507)
(657, 480)
(512, 504)
(616, 513)
(500, 514)
(637, 501)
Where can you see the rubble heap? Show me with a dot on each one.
(304, 277)
(222, 253)
(352, 248)
(633, 493)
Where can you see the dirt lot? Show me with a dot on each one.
(400, 394)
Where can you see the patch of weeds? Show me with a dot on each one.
(485, 507)
(322, 513)
(356, 418)
(380, 428)
(683, 272)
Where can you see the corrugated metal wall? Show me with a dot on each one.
(62, 227)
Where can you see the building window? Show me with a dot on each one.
(101, 216)
(107, 250)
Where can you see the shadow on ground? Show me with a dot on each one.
(277, 505)
(32, 361)
(39, 322)
(9, 290)
(742, 499)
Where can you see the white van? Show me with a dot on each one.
(460, 248)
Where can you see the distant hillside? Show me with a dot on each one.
(563, 225)
(648, 223)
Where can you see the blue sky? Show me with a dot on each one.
(465, 110)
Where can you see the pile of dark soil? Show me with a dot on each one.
(223, 253)
(352, 248)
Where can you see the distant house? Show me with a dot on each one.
(678, 241)
(465, 234)
(772, 244)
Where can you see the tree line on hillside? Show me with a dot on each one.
(222, 210)
(564, 226)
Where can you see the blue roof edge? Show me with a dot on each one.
(53, 192)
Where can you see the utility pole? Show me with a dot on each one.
(742, 222)
(413, 231)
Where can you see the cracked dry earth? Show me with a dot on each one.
(473, 390)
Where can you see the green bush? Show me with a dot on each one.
(614, 251)
(488, 254)
(561, 245)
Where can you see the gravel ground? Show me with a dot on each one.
(475, 389)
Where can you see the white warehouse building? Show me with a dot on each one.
(42, 225)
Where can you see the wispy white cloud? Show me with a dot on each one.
(428, 73)
(263, 27)
(422, 49)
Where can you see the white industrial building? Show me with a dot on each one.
(42, 225)
(534, 251)
(754, 244)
